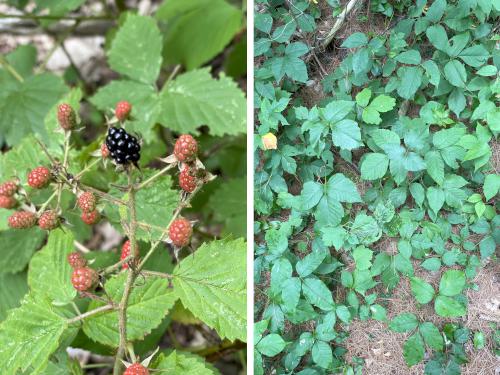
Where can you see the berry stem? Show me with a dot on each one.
(122, 309)
(81, 247)
(155, 176)
(87, 168)
(10, 69)
(89, 313)
(60, 185)
(158, 274)
(177, 211)
(44, 149)
(47, 202)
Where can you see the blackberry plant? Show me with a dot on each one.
(104, 247)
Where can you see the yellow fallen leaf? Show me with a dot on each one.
(270, 141)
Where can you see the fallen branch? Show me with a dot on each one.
(338, 23)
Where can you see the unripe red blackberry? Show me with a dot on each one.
(39, 177)
(180, 232)
(126, 252)
(122, 110)
(136, 369)
(7, 202)
(22, 220)
(87, 202)
(84, 279)
(48, 220)
(185, 148)
(8, 188)
(92, 217)
(187, 180)
(66, 116)
(76, 260)
(104, 151)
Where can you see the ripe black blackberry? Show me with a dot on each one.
(123, 147)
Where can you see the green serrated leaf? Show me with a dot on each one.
(452, 283)
(413, 350)
(448, 307)
(191, 38)
(24, 105)
(403, 322)
(422, 290)
(179, 363)
(29, 335)
(136, 49)
(18, 246)
(374, 166)
(50, 273)
(14, 287)
(271, 345)
(151, 297)
(227, 207)
(211, 283)
(195, 99)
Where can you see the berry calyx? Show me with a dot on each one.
(187, 180)
(22, 220)
(123, 147)
(122, 110)
(76, 260)
(84, 278)
(39, 177)
(8, 188)
(136, 369)
(87, 202)
(48, 220)
(104, 151)
(91, 217)
(7, 202)
(180, 232)
(66, 116)
(185, 148)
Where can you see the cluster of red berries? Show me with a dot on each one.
(83, 278)
(186, 150)
(87, 203)
(7, 191)
(38, 178)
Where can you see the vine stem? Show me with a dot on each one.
(338, 23)
(174, 216)
(155, 176)
(89, 313)
(10, 69)
(67, 136)
(122, 309)
(87, 168)
(158, 274)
